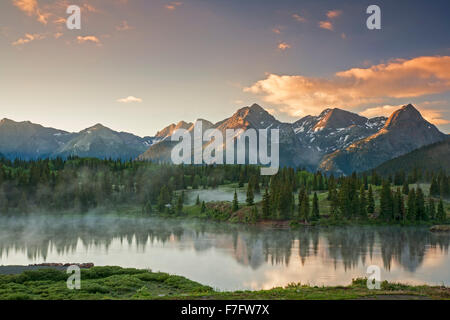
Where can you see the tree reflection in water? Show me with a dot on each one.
(36, 235)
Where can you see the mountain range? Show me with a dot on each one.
(335, 141)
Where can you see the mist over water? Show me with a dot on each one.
(226, 256)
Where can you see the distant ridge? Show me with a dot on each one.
(433, 157)
(335, 141)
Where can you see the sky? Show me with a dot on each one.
(139, 65)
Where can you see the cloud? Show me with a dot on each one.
(84, 39)
(334, 14)
(435, 116)
(298, 18)
(385, 110)
(173, 5)
(28, 38)
(326, 25)
(276, 30)
(124, 26)
(27, 6)
(130, 99)
(31, 8)
(283, 46)
(353, 88)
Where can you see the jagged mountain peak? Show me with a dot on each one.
(404, 116)
(338, 118)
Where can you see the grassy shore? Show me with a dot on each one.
(118, 283)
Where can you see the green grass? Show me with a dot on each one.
(115, 283)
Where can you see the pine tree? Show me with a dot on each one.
(370, 201)
(148, 207)
(441, 215)
(420, 206)
(235, 206)
(411, 213)
(362, 202)
(304, 210)
(180, 205)
(197, 202)
(250, 196)
(334, 206)
(386, 202)
(266, 205)
(301, 197)
(405, 188)
(203, 208)
(431, 208)
(315, 207)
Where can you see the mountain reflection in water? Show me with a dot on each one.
(228, 256)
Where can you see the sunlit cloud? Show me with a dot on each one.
(173, 5)
(276, 30)
(130, 99)
(334, 14)
(435, 116)
(28, 38)
(283, 46)
(326, 25)
(353, 88)
(27, 6)
(92, 39)
(298, 17)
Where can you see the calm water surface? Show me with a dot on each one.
(229, 257)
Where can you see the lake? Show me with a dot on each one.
(225, 256)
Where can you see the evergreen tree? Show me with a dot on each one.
(203, 208)
(315, 207)
(386, 202)
(420, 206)
(197, 202)
(301, 197)
(148, 207)
(370, 201)
(362, 202)
(441, 215)
(431, 208)
(180, 205)
(235, 206)
(405, 188)
(304, 210)
(250, 196)
(411, 213)
(266, 205)
(334, 206)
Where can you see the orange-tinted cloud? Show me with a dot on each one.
(173, 5)
(298, 18)
(297, 94)
(283, 46)
(27, 6)
(92, 39)
(326, 25)
(28, 38)
(334, 14)
(435, 116)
